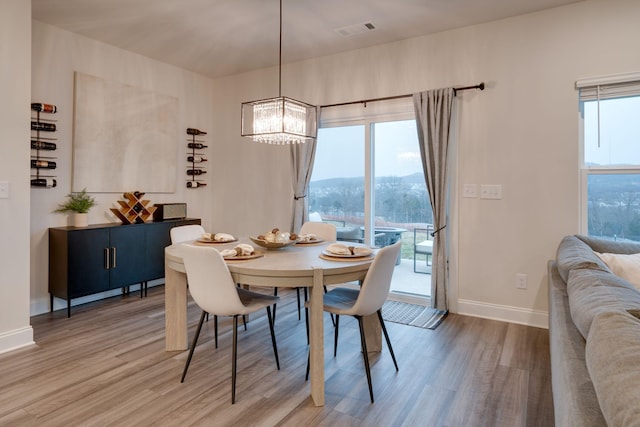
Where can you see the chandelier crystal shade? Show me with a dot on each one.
(279, 120)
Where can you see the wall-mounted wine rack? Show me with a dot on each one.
(195, 158)
(42, 146)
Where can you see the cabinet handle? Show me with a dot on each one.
(106, 258)
(114, 257)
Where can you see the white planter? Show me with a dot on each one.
(79, 219)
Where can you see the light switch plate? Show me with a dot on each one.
(470, 190)
(4, 189)
(490, 191)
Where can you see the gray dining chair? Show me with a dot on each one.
(215, 292)
(365, 301)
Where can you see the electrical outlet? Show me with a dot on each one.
(521, 281)
(4, 189)
(470, 190)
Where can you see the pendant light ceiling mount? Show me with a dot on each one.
(279, 120)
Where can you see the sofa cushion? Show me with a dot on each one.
(595, 291)
(574, 254)
(626, 266)
(613, 360)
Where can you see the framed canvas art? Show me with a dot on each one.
(124, 138)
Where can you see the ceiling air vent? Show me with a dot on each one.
(352, 30)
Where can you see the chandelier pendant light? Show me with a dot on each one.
(279, 120)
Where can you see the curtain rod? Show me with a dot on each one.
(387, 98)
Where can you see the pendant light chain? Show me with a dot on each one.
(280, 56)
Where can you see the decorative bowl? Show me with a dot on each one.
(272, 245)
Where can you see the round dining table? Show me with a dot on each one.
(298, 265)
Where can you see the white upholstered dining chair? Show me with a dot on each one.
(322, 230)
(365, 301)
(215, 292)
(185, 233)
(325, 231)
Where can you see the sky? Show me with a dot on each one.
(619, 132)
(341, 151)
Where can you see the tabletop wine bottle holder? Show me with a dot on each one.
(133, 209)
(42, 163)
(195, 158)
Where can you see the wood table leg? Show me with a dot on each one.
(316, 338)
(175, 310)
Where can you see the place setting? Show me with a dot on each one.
(308, 239)
(216, 238)
(241, 252)
(342, 252)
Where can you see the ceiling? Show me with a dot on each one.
(222, 37)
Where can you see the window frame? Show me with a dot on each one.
(367, 115)
(612, 87)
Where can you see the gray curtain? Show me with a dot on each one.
(434, 110)
(302, 157)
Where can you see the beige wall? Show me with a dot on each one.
(56, 54)
(15, 80)
(521, 132)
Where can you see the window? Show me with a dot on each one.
(610, 119)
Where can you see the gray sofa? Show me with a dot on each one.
(594, 334)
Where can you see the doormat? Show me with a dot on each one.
(412, 314)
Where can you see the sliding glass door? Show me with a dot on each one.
(368, 180)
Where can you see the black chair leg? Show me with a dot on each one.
(335, 336)
(215, 328)
(365, 355)
(193, 346)
(273, 337)
(298, 299)
(386, 336)
(234, 358)
(244, 318)
(275, 294)
(306, 322)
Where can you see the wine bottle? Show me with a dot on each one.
(196, 172)
(42, 145)
(48, 127)
(42, 164)
(196, 184)
(196, 159)
(194, 131)
(44, 182)
(196, 145)
(44, 108)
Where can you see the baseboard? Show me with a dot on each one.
(41, 305)
(505, 313)
(12, 340)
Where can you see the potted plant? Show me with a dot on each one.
(78, 204)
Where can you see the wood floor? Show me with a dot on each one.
(106, 366)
